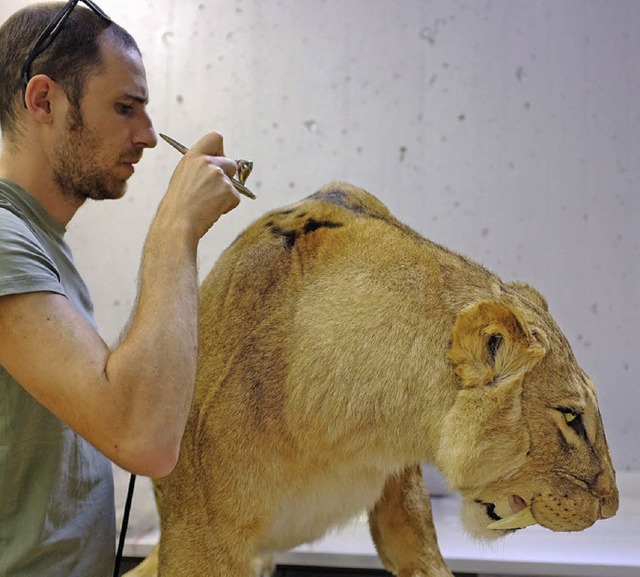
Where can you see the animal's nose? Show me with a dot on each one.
(607, 510)
(601, 514)
(607, 490)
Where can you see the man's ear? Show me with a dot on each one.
(492, 344)
(38, 97)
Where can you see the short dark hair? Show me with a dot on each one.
(70, 59)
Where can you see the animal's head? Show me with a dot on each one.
(524, 442)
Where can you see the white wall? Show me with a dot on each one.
(508, 130)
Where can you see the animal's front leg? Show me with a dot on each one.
(206, 546)
(402, 528)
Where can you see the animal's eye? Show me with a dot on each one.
(574, 420)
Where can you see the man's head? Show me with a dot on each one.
(71, 58)
(87, 88)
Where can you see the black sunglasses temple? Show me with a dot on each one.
(49, 35)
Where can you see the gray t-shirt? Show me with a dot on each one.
(57, 514)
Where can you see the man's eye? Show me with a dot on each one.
(124, 108)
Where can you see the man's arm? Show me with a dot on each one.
(131, 403)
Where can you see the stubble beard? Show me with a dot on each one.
(76, 170)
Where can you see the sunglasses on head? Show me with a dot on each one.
(49, 35)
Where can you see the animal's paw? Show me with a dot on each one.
(148, 568)
(264, 566)
(439, 571)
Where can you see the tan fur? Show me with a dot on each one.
(339, 350)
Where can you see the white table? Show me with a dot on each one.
(610, 548)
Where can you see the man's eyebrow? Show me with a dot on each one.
(136, 98)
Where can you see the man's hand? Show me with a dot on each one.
(200, 190)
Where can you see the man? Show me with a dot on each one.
(74, 124)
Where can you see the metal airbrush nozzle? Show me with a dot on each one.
(244, 167)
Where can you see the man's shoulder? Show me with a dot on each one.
(25, 264)
(11, 215)
(14, 227)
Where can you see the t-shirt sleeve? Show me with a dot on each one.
(24, 264)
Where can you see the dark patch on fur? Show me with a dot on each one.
(357, 205)
(342, 199)
(291, 236)
(313, 224)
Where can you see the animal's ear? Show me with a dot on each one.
(529, 293)
(492, 344)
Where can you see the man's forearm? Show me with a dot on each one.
(155, 363)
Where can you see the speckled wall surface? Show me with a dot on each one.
(507, 130)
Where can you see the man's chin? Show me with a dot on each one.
(113, 192)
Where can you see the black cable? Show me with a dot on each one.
(125, 523)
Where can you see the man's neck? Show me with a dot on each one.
(32, 172)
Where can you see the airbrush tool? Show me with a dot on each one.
(244, 167)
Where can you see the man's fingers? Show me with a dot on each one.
(228, 165)
(211, 144)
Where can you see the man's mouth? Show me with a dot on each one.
(133, 158)
(130, 162)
